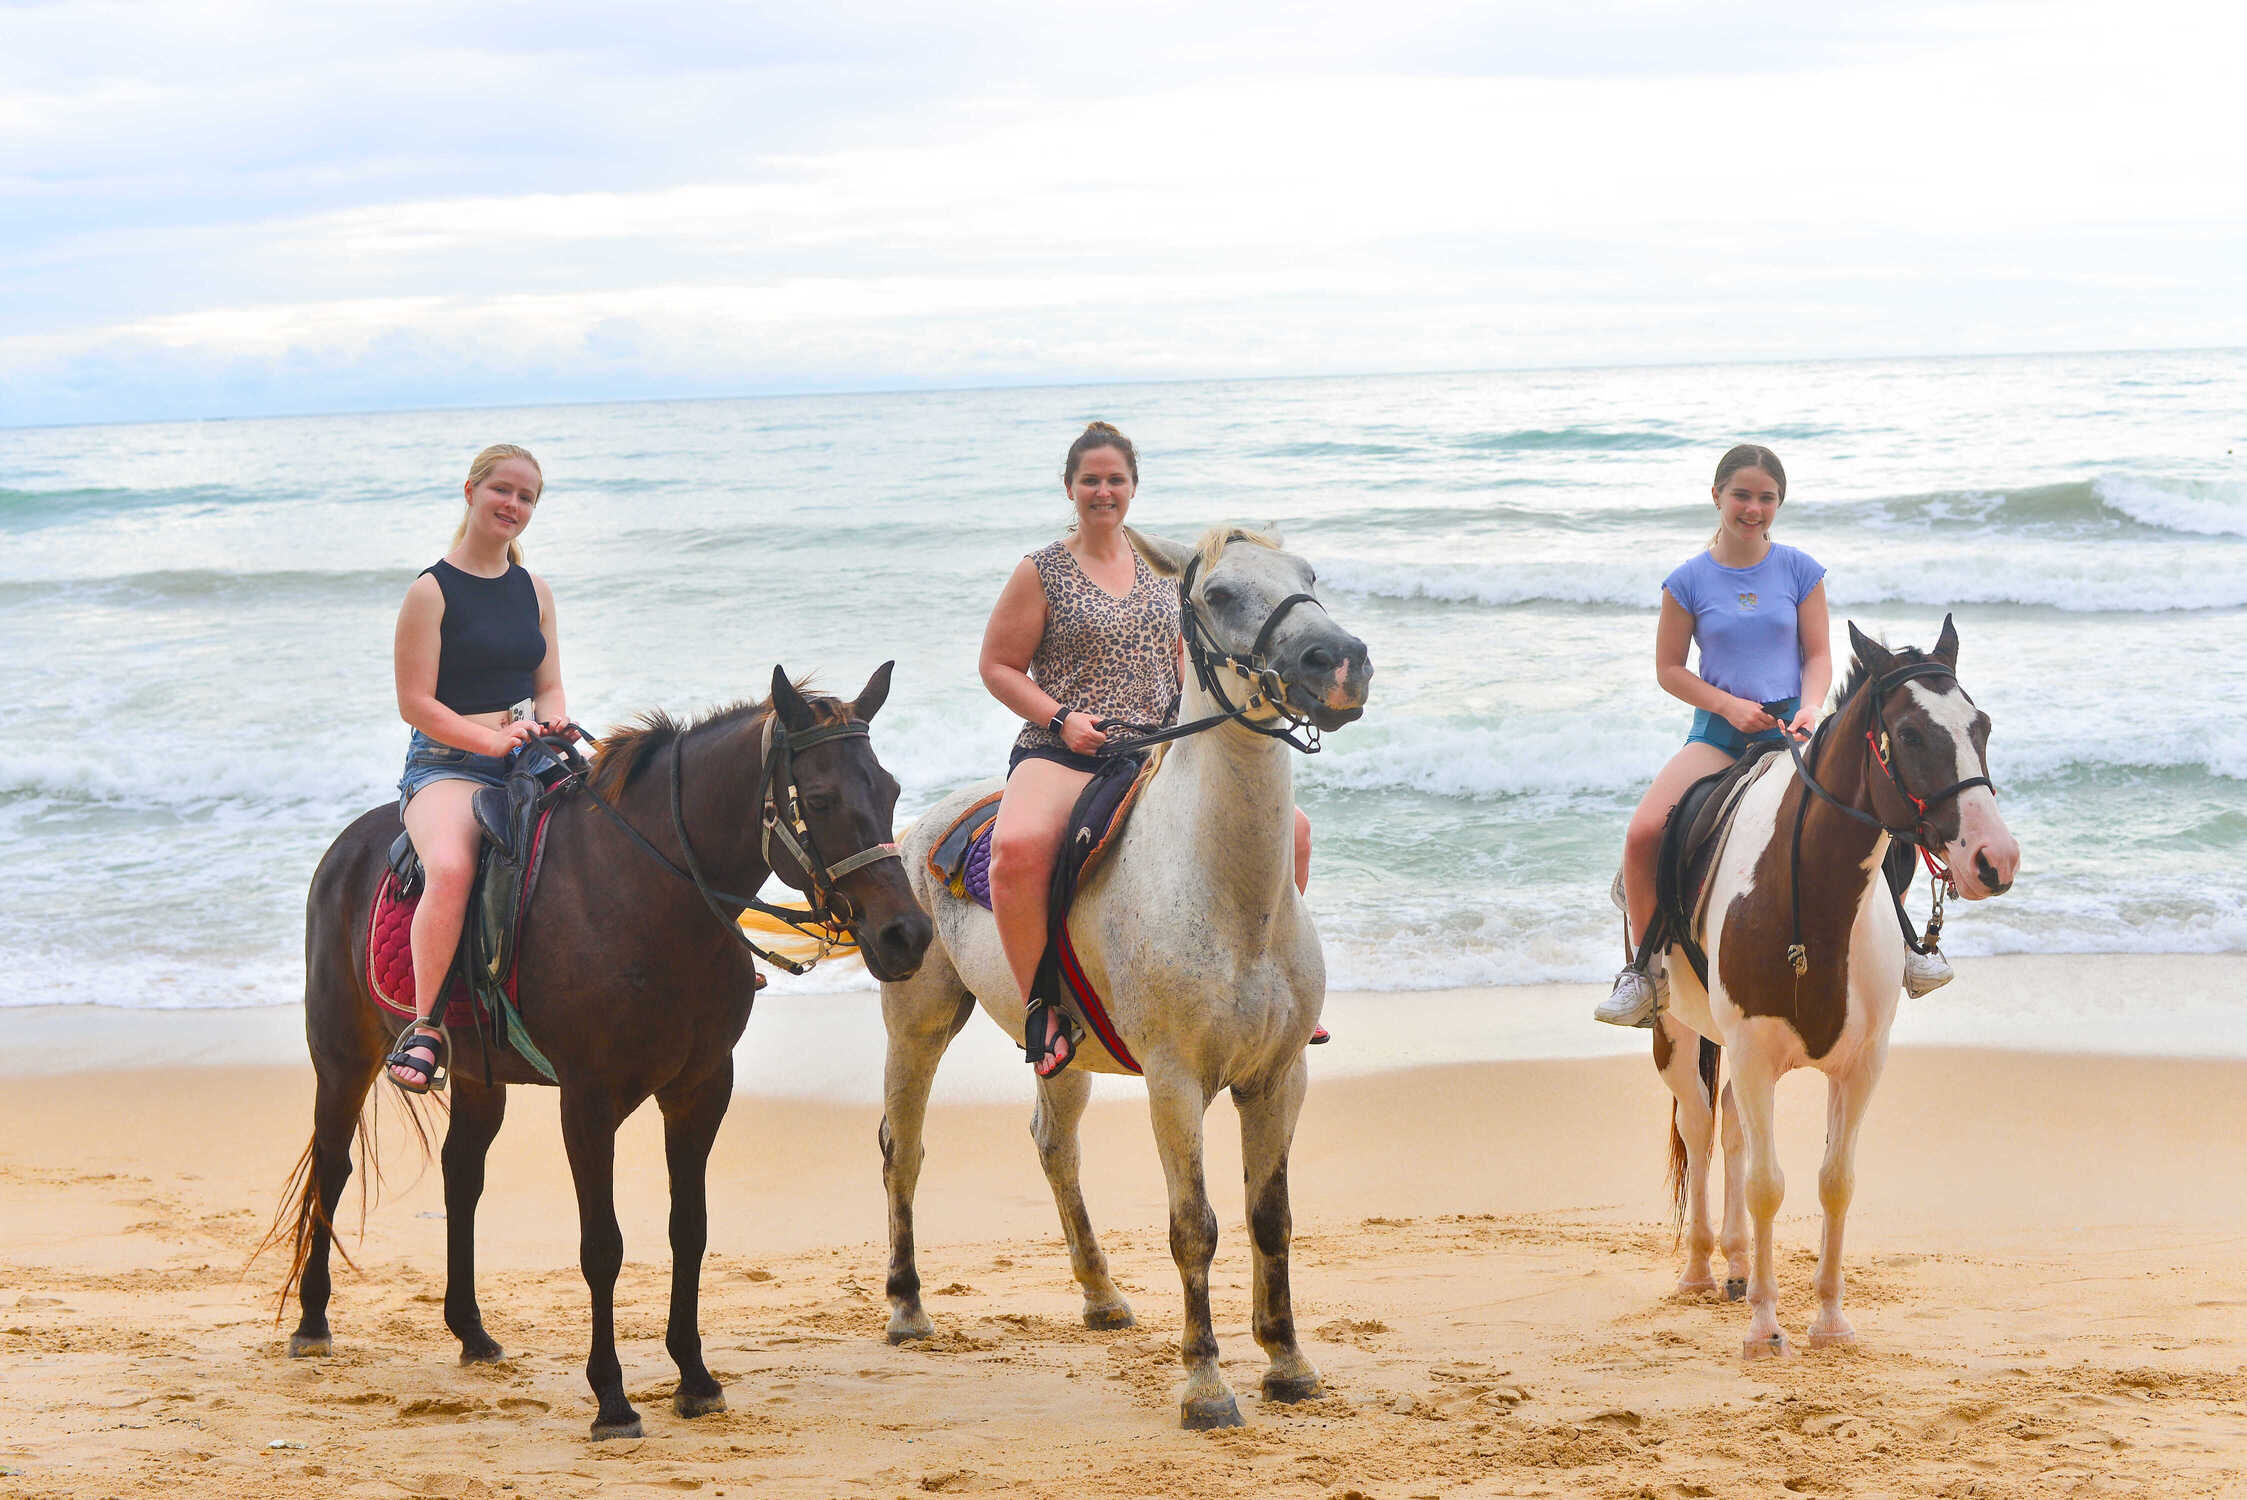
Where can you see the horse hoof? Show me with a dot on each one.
(486, 1353)
(1282, 1389)
(1700, 1288)
(690, 1407)
(1735, 1289)
(1114, 1315)
(310, 1345)
(629, 1427)
(904, 1327)
(1846, 1339)
(1210, 1411)
(1774, 1347)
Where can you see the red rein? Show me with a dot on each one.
(1926, 855)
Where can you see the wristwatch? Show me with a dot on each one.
(1060, 717)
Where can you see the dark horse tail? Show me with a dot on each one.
(1710, 1053)
(301, 1193)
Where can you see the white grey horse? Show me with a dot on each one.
(1192, 931)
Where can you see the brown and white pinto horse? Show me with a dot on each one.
(1903, 754)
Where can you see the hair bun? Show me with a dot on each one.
(1107, 429)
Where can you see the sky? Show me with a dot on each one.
(243, 208)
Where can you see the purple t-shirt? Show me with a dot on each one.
(1744, 620)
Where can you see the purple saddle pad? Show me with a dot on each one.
(978, 868)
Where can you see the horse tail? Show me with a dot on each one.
(1710, 1054)
(300, 1215)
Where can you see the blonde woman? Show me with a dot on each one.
(479, 673)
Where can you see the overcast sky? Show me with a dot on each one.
(235, 208)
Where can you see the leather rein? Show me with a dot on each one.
(1268, 688)
(1917, 833)
(782, 818)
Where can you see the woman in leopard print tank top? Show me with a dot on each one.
(1083, 631)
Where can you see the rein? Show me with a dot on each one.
(1917, 833)
(1270, 691)
(824, 921)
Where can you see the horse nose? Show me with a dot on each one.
(1995, 865)
(901, 942)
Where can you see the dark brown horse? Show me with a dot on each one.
(630, 984)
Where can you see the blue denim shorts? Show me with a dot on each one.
(1711, 729)
(430, 760)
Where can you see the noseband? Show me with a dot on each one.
(1267, 688)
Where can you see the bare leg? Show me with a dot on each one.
(1642, 841)
(1302, 852)
(477, 1114)
(1693, 1119)
(1267, 1132)
(1846, 1098)
(445, 837)
(922, 1014)
(1176, 1103)
(691, 1117)
(589, 1135)
(1753, 1082)
(1053, 1125)
(1023, 847)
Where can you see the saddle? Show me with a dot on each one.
(481, 987)
(1691, 841)
(962, 860)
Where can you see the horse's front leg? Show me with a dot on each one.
(477, 1114)
(1847, 1095)
(1176, 1103)
(1734, 1237)
(1053, 1125)
(589, 1123)
(921, 1016)
(691, 1116)
(1267, 1131)
(1754, 1083)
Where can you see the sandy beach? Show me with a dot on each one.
(2048, 1272)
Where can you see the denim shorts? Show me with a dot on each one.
(1712, 729)
(430, 760)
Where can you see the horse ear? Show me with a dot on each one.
(1946, 645)
(872, 696)
(794, 712)
(1873, 654)
(1165, 557)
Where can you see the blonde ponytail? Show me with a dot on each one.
(480, 469)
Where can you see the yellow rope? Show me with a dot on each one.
(797, 947)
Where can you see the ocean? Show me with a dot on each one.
(197, 619)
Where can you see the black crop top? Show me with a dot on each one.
(489, 643)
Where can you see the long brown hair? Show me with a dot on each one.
(480, 469)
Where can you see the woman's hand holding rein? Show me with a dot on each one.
(1080, 734)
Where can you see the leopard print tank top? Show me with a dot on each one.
(1108, 657)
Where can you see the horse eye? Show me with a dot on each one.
(818, 801)
(1910, 737)
(1218, 594)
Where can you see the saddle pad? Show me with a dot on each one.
(390, 966)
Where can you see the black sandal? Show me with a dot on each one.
(1049, 1055)
(417, 1038)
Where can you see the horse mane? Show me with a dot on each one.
(629, 749)
(1860, 670)
(1215, 540)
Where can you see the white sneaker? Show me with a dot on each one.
(1636, 1001)
(1615, 894)
(1924, 973)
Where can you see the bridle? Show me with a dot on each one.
(1267, 689)
(1918, 833)
(781, 812)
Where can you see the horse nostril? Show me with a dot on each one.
(1987, 872)
(1321, 660)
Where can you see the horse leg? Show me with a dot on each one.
(691, 1117)
(1677, 1055)
(1176, 1104)
(1053, 1125)
(476, 1116)
(589, 1135)
(1846, 1098)
(922, 1015)
(1735, 1236)
(1754, 1083)
(1267, 1132)
(341, 1093)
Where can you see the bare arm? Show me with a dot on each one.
(414, 665)
(1009, 641)
(1814, 628)
(549, 704)
(1672, 638)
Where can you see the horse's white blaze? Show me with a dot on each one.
(1755, 824)
(1980, 825)
(1954, 718)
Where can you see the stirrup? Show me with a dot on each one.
(1035, 1048)
(1925, 973)
(419, 1035)
(1635, 1001)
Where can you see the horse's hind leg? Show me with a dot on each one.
(589, 1123)
(1846, 1098)
(477, 1113)
(341, 1093)
(1679, 1057)
(1176, 1104)
(691, 1117)
(922, 1015)
(1053, 1125)
(1267, 1132)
